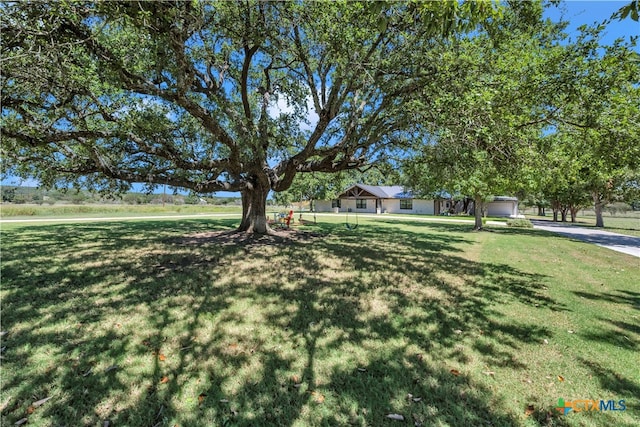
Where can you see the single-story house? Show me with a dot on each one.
(395, 199)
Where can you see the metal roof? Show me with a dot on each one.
(398, 192)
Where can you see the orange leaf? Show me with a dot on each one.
(201, 398)
(30, 410)
(530, 410)
(295, 379)
(560, 378)
(162, 357)
(455, 372)
(317, 397)
(164, 380)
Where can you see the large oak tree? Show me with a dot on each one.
(235, 96)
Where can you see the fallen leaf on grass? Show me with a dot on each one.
(530, 410)
(455, 372)
(362, 370)
(162, 357)
(164, 380)
(21, 421)
(88, 372)
(111, 368)
(546, 341)
(30, 410)
(396, 417)
(560, 378)
(295, 379)
(491, 373)
(317, 397)
(201, 398)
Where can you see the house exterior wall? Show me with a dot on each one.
(420, 206)
(392, 206)
(502, 208)
(351, 204)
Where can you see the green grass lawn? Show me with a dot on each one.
(16, 211)
(145, 323)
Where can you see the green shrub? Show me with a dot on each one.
(519, 223)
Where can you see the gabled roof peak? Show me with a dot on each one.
(379, 191)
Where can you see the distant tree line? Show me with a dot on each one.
(34, 195)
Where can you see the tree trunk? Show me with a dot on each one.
(478, 213)
(598, 205)
(555, 207)
(254, 214)
(563, 212)
(574, 212)
(466, 203)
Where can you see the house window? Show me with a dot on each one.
(336, 203)
(361, 203)
(406, 204)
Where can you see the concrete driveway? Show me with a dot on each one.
(617, 242)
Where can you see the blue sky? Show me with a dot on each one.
(589, 12)
(576, 12)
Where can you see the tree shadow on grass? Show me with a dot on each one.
(611, 380)
(622, 296)
(616, 333)
(331, 331)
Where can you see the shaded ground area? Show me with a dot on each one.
(136, 324)
(617, 242)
